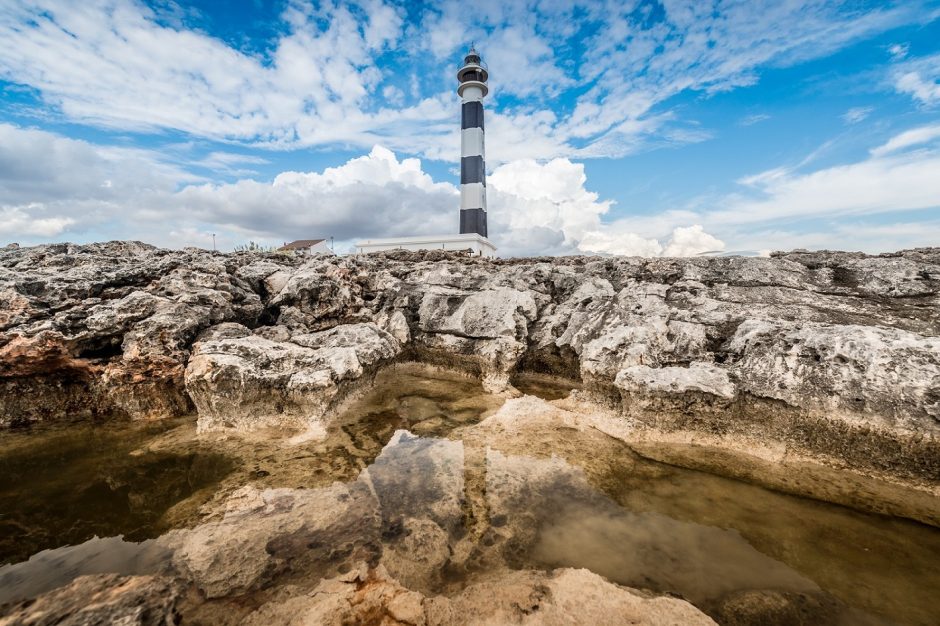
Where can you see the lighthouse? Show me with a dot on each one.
(472, 238)
(472, 88)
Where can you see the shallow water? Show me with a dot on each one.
(62, 486)
(444, 503)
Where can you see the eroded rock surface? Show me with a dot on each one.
(566, 596)
(828, 354)
(242, 380)
(102, 600)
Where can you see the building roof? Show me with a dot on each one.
(300, 244)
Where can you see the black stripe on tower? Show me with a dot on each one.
(472, 170)
(472, 115)
(473, 221)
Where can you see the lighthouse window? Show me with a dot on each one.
(471, 75)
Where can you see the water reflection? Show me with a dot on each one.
(63, 486)
(53, 568)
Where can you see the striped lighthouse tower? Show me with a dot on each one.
(472, 89)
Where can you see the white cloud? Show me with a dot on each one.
(545, 208)
(627, 244)
(856, 114)
(898, 51)
(907, 139)
(229, 163)
(920, 79)
(393, 95)
(691, 241)
(90, 192)
(371, 195)
(756, 118)
(895, 191)
(534, 208)
(876, 185)
(27, 221)
(118, 64)
(38, 166)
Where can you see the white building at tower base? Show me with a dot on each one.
(472, 243)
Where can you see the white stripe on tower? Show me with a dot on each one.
(472, 88)
(471, 142)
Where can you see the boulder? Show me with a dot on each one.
(250, 382)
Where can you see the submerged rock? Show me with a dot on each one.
(102, 600)
(566, 596)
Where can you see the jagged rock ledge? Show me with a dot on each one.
(828, 356)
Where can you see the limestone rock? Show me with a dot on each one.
(489, 326)
(102, 600)
(247, 382)
(562, 597)
(108, 327)
(826, 353)
(702, 377)
(264, 532)
(870, 371)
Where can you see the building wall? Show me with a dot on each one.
(481, 248)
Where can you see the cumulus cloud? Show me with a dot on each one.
(534, 208)
(91, 192)
(375, 195)
(691, 241)
(546, 208)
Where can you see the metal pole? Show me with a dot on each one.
(213, 242)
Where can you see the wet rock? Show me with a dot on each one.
(777, 608)
(562, 597)
(264, 533)
(101, 600)
(418, 555)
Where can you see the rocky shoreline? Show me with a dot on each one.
(815, 374)
(834, 356)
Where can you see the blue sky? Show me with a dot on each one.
(625, 127)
